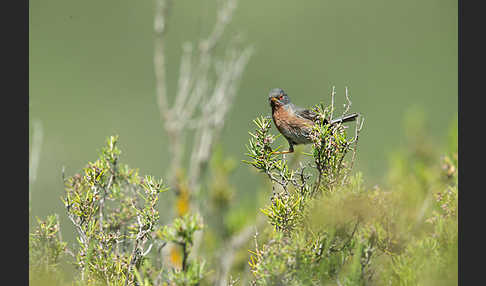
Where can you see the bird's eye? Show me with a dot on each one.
(280, 97)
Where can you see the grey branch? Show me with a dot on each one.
(230, 249)
(197, 104)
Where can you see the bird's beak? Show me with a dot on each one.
(273, 99)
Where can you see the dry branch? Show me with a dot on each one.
(205, 92)
(197, 104)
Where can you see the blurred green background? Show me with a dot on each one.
(91, 75)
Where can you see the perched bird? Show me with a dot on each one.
(295, 123)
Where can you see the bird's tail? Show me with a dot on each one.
(345, 118)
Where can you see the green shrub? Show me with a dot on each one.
(46, 250)
(115, 214)
(328, 228)
(325, 225)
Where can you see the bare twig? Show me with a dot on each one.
(282, 181)
(133, 261)
(359, 126)
(303, 179)
(348, 103)
(333, 94)
(83, 239)
(351, 236)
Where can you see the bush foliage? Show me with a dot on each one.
(325, 225)
(115, 213)
(330, 229)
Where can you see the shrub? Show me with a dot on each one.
(328, 228)
(114, 211)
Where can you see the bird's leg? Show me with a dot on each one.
(285, 152)
(291, 150)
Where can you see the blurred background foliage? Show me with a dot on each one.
(91, 75)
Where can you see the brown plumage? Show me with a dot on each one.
(293, 122)
(291, 125)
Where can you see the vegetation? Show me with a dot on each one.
(330, 229)
(319, 221)
(322, 224)
(114, 211)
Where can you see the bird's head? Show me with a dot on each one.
(278, 97)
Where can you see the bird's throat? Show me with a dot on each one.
(277, 107)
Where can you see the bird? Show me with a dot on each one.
(295, 123)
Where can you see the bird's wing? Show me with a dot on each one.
(305, 113)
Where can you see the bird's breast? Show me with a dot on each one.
(293, 127)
